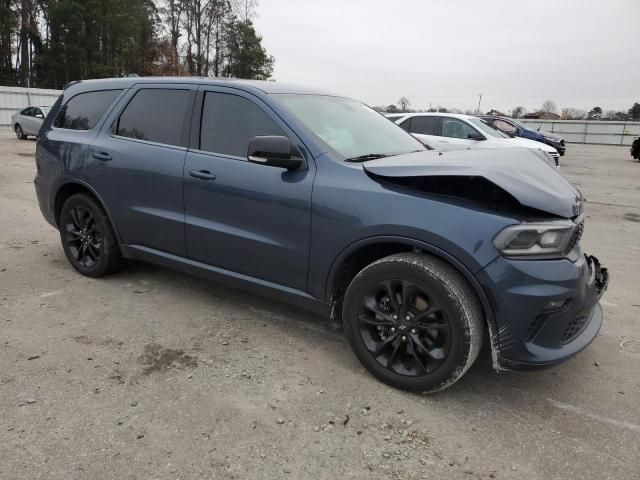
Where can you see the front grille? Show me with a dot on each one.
(575, 238)
(574, 328)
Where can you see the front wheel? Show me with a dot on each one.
(413, 321)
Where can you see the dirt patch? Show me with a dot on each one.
(156, 358)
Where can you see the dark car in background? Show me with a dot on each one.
(513, 127)
(320, 201)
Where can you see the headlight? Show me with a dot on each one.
(535, 238)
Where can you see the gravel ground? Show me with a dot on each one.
(154, 374)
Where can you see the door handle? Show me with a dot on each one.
(105, 157)
(202, 174)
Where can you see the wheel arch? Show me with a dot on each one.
(363, 252)
(72, 187)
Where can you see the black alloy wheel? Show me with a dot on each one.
(404, 327)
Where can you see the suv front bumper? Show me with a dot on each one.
(546, 311)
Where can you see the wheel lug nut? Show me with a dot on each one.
(393, 330)
(404, 338)
(407, 318)
(413, 330)
(395, 317)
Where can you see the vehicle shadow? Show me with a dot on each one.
(481, 381)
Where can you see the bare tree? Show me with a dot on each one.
(518, 112)
(245, 9)
(569, 113)
(549, 107)
(404, 103)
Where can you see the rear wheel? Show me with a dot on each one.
(87, 237)
(20, 133)
(413, 322)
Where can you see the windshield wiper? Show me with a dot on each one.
(364, 158)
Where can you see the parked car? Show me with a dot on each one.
(449, 131)
(515, 128)
(28, 121)
(635, 148)
(320, 201)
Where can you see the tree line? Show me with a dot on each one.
(47, 43)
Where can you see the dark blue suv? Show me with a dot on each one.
(515, 128)
(320, 201)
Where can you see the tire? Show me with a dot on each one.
(430, 347)
(19, 132)
(87, 237)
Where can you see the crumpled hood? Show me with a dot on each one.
(522, 172)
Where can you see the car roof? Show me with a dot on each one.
(461, 116)
(263, 86)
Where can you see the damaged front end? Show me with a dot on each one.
(543, 290)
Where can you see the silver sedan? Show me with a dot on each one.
(28, 121)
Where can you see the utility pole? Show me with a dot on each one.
(479, 100)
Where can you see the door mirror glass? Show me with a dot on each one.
(274, 151)
(39, 115)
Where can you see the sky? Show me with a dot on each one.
(578, 53)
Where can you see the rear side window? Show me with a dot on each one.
(27, 112)
(155, 115)
(229, 122)
(424, 125)
(84, 110)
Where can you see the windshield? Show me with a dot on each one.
(518, 123)
(348, 127)
(486, 128)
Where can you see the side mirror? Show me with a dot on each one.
(40, 115)
(475, 136)
(273, 151)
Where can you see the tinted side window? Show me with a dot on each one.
(406, 125)
(229, 122)
(84, 110)
(155, 115)
(424, 125)
(27, 112)
(454, 128)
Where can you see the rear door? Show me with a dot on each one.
(240, 216)
(425, 128)
(136, 165)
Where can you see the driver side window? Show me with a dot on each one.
(454, 128)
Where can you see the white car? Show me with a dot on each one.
(28, 121)
(449, 131)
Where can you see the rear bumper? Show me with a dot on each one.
(533, 332)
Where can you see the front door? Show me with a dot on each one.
(454, 134)
(243, 217)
